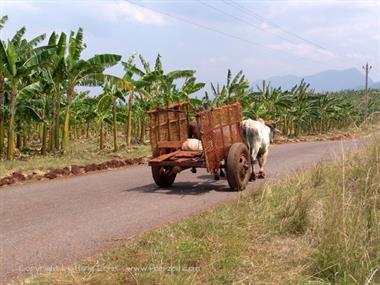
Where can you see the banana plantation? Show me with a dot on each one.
(44, 103)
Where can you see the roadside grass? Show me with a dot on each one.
(320, 226)
(80, 153)
(364, 129)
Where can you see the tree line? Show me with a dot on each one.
(40, 98)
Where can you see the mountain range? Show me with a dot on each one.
(328, 80)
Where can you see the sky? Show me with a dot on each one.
(262, 38)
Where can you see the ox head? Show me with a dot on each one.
(273, 130)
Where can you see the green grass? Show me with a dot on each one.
(81, 153)
(317, 227)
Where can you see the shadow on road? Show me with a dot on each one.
(185, 188)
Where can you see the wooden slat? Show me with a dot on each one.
(187, 112)
(165, 123)
(158, 135)
(170, 144)
(164, 157)
(188, 153)
(183, 160)
(172, 106)
(185, 164)
(178, 115)
(168, 121)
(179, 156)
(229, 125)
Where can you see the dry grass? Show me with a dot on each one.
(316, 227)
(338, 134)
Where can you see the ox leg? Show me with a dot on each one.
(262, 160)
(254, 153)
(216, 175)
(253, 175)
(220, 172)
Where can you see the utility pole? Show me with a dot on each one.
(366, 68)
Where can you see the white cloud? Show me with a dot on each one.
(19, 6)
(218, 59)
(264, 25)
(303, 50)
(357, 56)
(124, 11)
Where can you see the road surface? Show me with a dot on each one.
(55, 223)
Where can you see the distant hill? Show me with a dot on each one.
(329, 80)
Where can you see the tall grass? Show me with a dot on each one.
(348, 232)
(335, 207)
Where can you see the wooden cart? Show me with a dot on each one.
(221, 139)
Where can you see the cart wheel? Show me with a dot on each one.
(163, 176)
(238, 166)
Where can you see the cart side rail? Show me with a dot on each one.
(168, 127)
(220, 128)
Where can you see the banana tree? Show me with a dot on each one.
(82, 72)
(19, 58)
(152, 87)
(301, 107)
(53, 75)
(3, 20)
(268, 103)
(235, 88)
(31, 109)
(103, 115)
(108, 104)
(324, 107)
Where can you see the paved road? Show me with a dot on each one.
(58, 222)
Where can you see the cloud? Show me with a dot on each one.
(218, 59)
(357, 56)
(125, 11)
(303, 50)
(19, 6)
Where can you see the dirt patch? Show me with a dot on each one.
(18, 176)
(73, 170)
(76, 170)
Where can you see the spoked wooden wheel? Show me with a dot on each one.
(238, 166)
(163, 176)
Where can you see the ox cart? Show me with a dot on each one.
(221, 140)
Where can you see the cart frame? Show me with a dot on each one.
(220, 129)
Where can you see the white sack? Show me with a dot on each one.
(192, 144)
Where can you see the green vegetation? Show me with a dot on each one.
(317, 227)
(40, 98)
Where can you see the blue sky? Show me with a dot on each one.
(241, 35)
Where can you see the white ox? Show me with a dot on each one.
(257, 136)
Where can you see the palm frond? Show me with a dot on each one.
(18, 36)
(104, 60)
(3, 20)
(145, 64)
